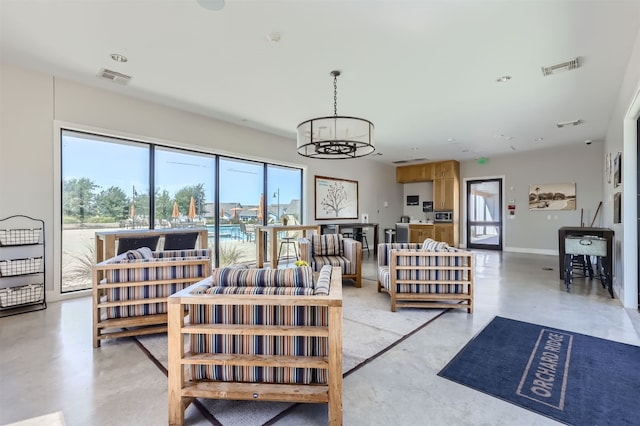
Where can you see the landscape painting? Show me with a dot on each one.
(552, 196)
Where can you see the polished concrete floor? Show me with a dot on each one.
(47, 362)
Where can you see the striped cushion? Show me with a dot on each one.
(295, 291)
(323, 282)
(384, 277)
(320, 261)
(263, 345)
(198, 253)
(141, 253)
(442, 274)
(290, 277)
(433, 245)
(326, 245)
(148, 273)
(384, 248)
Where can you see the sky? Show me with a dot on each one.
(126, 165)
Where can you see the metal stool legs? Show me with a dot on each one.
(287, 241)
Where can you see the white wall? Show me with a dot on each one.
(536, 231)
(622, 137)
(32, 103)
(425, 191)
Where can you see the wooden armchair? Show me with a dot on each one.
(334, 250)
(428, 275)
(257, 335)
(130, 290)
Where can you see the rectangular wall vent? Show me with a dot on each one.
(114, 76)
(565, 66)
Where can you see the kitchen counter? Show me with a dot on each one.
(414, 232)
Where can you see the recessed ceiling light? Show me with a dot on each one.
(415, 148)
(503, 79)
(509, 138)
(451, 140)
(465, 150)
(539, 139)
(118, 57)
(274, 37)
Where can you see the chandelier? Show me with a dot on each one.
(337, 137)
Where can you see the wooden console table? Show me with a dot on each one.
(270, 233)
(106, 240)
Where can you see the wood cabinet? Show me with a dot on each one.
(445, 232)
(419, 233)
(445, 169)
(444, 194)
(445, 176)
(414, 173)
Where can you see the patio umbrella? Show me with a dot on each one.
(192, 209)
(235, 211)
(176, 212)
(260, 207)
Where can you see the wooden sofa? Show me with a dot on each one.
(258, 334)
(130, 292)
(427, 275)
(335, 250)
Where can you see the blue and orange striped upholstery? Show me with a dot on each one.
(333, 250)
(252, 277)
(326, 245)
(224, 281)
(177, 276)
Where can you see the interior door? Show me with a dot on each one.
(484, 213)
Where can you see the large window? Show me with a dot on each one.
(107, 182)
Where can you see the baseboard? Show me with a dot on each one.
(531, 251)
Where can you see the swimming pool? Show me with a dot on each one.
(228, 232)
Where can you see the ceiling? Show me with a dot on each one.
(424, 72)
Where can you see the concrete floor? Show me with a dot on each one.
(47, 362)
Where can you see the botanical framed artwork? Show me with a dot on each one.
(617, 169)
(607, 167)
(335, 198)
(552, 196)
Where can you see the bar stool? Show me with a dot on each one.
(287, 241)
(362, 237)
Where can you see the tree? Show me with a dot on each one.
(335, 200)
(113, 202)
(78, 198)
(164, 205)
(183, 198)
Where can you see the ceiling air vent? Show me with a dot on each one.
(400, 161)
(114, 76)
(565, 66)
(568, 123)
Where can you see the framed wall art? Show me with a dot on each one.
(552, 196)
(607, 167)
(335, 198)
(617, 170)
(617, 207)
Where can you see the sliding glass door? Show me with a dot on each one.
(111, 184)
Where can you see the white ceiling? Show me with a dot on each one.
(423, 72)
